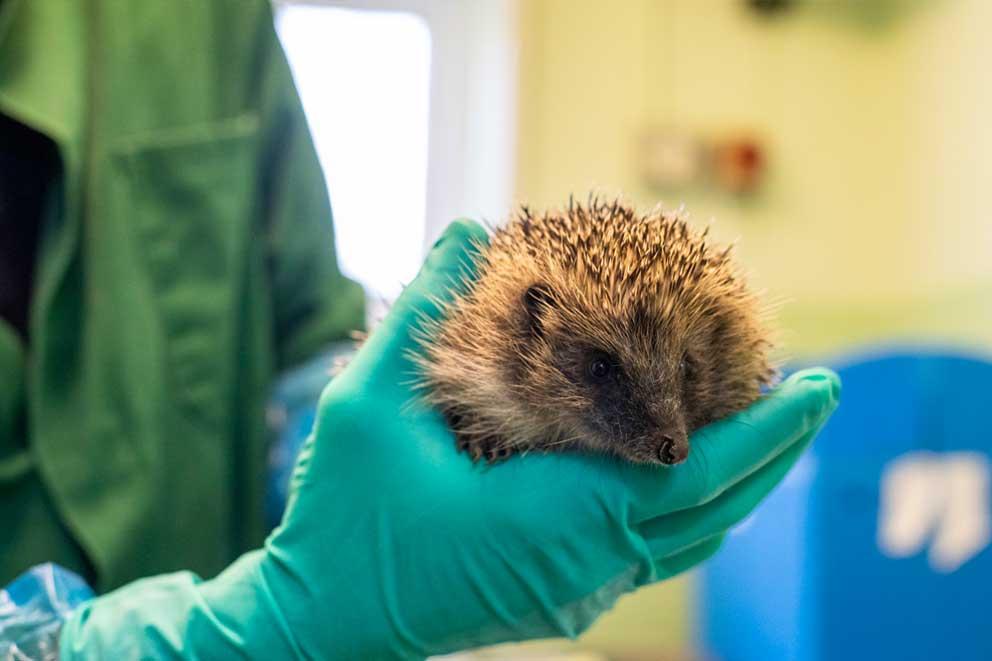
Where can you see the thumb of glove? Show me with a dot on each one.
(450, 263)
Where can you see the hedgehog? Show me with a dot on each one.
(594, 328)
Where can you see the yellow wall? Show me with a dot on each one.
(879, 157)
(873, 223)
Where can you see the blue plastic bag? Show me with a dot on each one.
(32, 610)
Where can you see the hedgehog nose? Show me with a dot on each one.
(672, 451)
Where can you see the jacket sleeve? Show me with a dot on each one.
(313, 303)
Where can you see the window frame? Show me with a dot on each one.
(472, 118)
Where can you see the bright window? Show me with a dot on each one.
(364, 78)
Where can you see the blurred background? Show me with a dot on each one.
(843, 143)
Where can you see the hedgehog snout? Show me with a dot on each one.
(673, 447)
(668, 432)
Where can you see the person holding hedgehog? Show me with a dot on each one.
(394, 545)
(397, 542)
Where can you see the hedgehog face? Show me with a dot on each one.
(635, 413)
(614, 395)
(635, 385)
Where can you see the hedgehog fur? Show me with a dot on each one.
(595, 328)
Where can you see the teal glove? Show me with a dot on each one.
(394, 545)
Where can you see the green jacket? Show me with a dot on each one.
(187, 256)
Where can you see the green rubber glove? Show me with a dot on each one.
(394, 545)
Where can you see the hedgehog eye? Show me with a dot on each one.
(600, 367)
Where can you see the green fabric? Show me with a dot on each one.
(394, 545)
(11, 399)
(187, 255)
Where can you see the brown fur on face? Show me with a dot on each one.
(595, 328)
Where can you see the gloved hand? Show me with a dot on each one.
(394, 545)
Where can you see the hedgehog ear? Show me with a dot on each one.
(537, 300)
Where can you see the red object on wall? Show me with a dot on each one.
(738, 164)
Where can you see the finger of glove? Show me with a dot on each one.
(672, 533)
(729, 450)
(677, 563)
(450, 264)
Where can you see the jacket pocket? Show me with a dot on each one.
(190, 195)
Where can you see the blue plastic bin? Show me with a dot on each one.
(804, 578)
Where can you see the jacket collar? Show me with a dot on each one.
(42, 81)
(43, 84)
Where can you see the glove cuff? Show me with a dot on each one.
(180, 616)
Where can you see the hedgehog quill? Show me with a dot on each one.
(595, 328)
